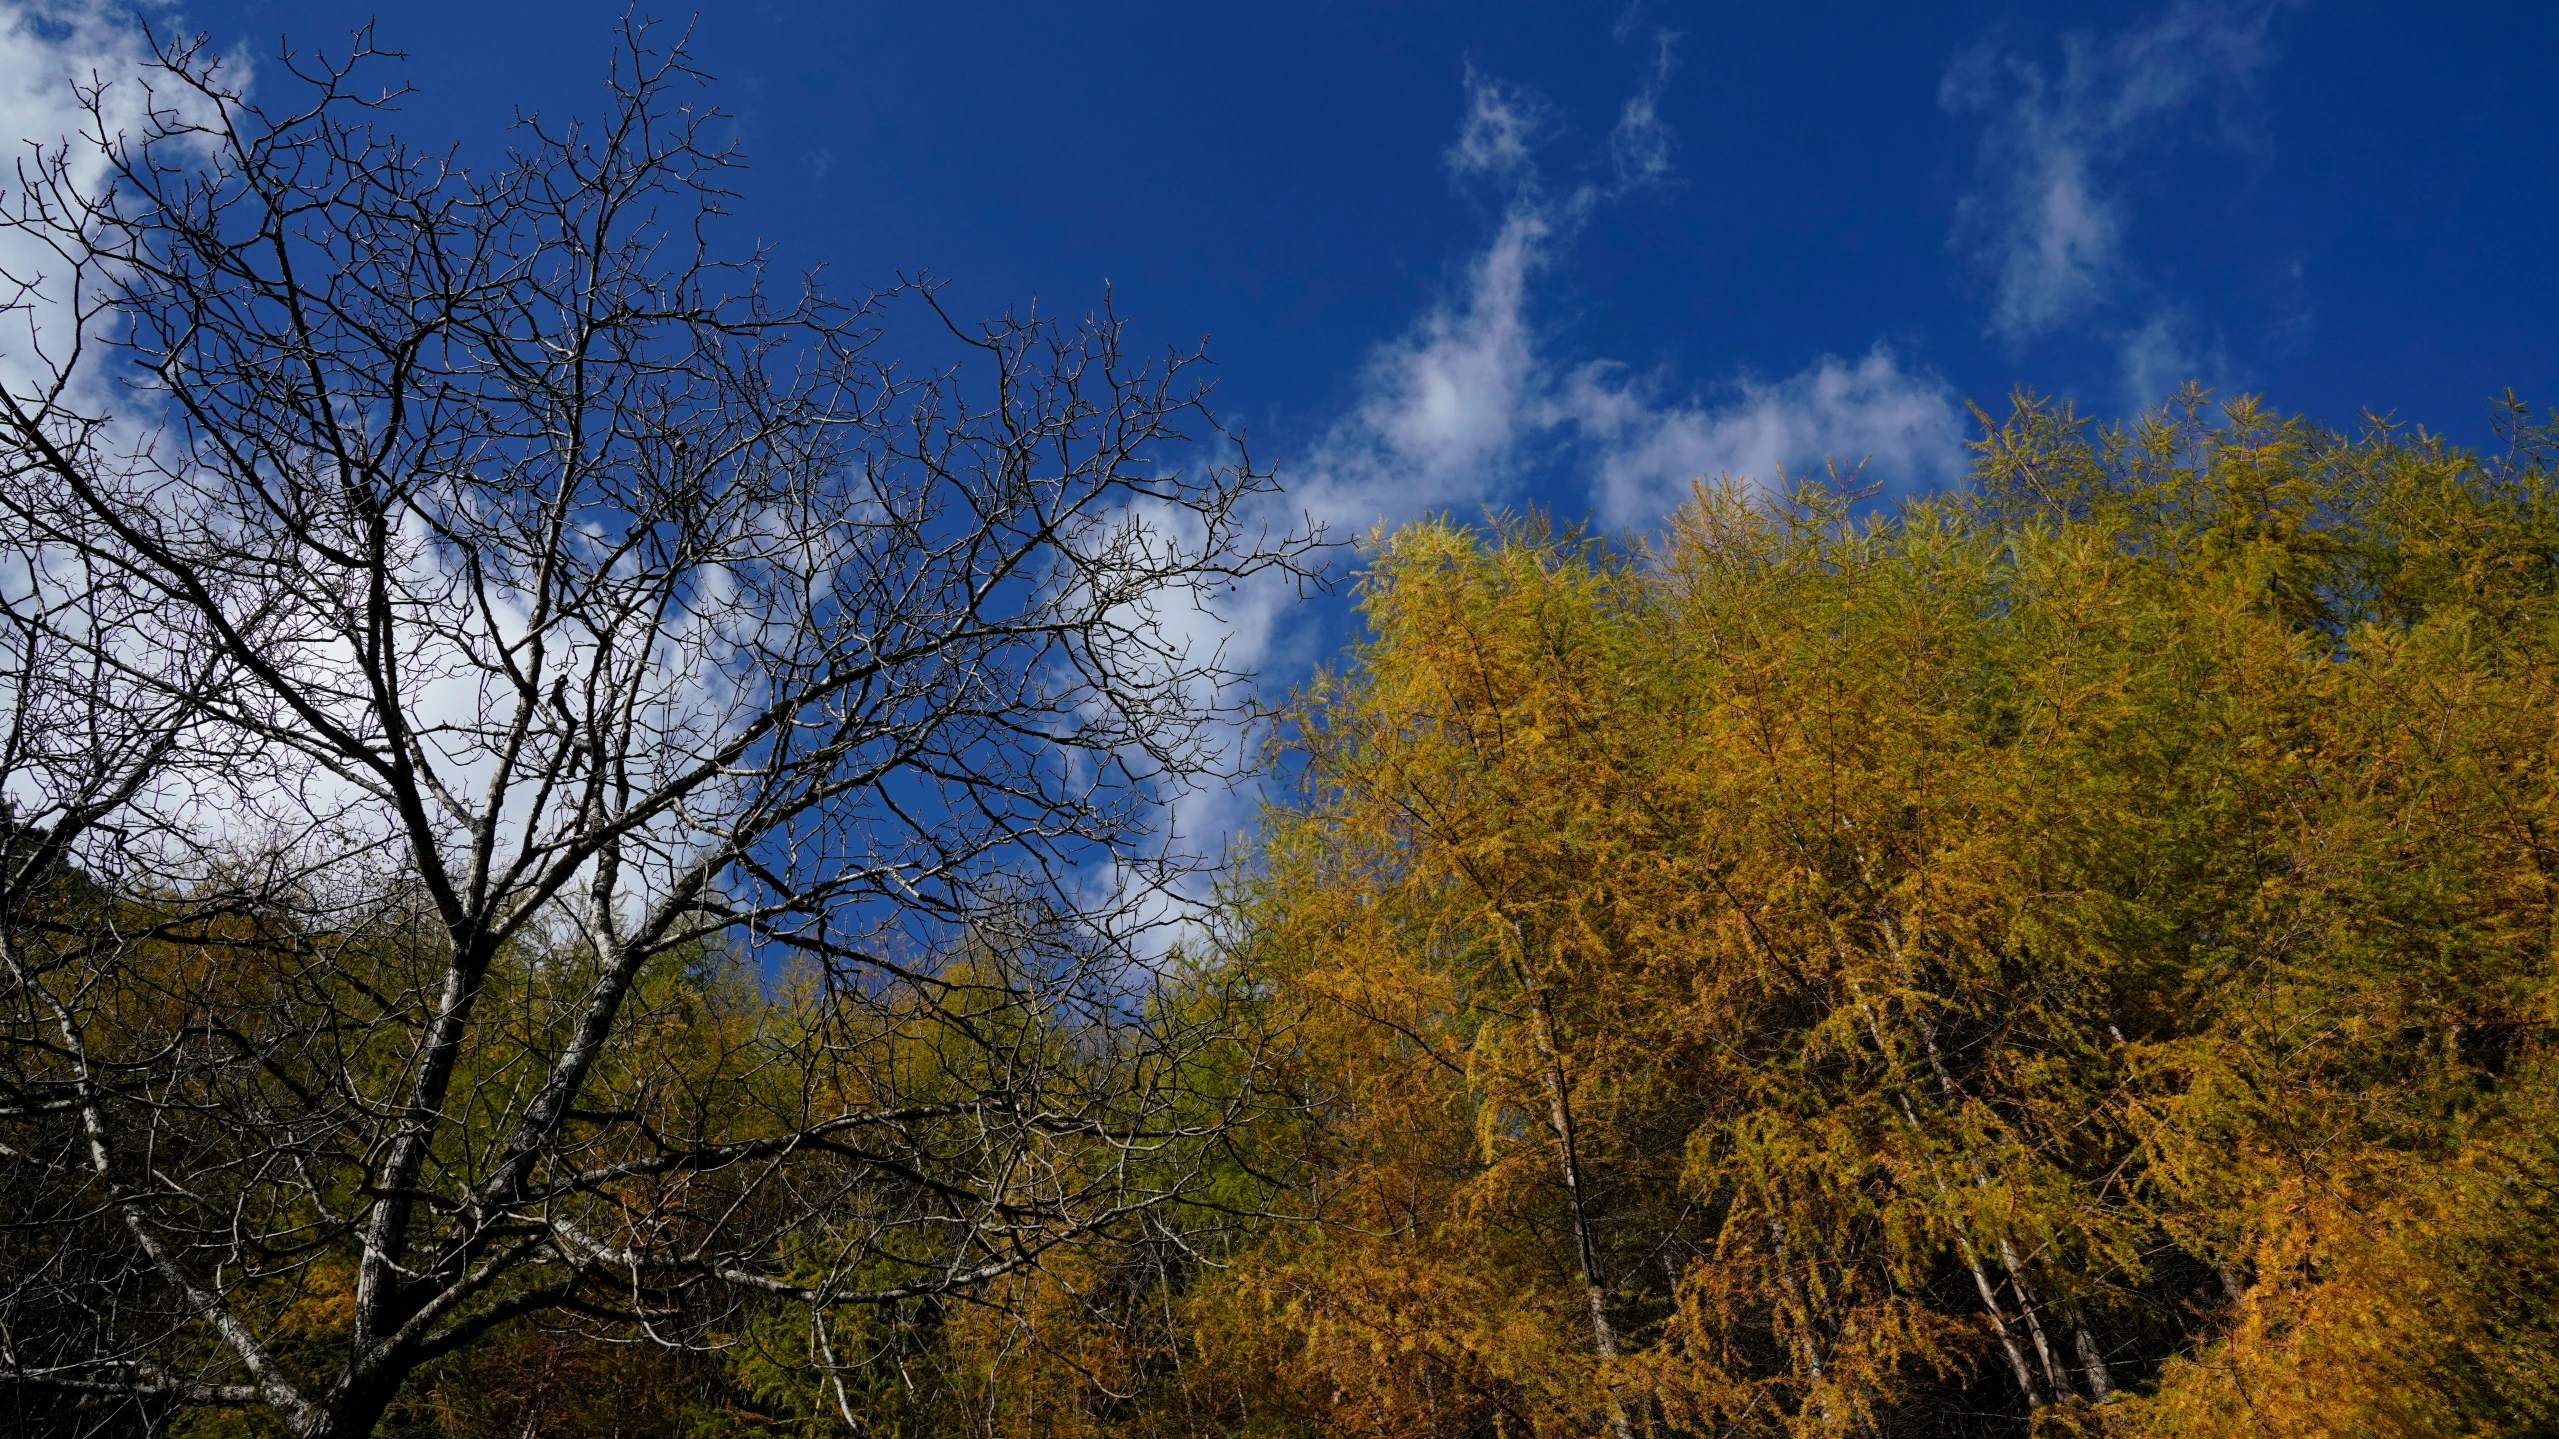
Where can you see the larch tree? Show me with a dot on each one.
(2079, 947)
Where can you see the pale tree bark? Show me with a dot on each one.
(1796, 1296)
(1569, 1167)
(1982, 1285)
(2099, 1379)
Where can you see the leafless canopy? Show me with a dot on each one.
(464, 628)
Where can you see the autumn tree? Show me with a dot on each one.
(2077, 948)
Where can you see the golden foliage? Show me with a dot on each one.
(2084, 941)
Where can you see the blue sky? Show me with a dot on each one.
(1460, 255)
(1678, 222)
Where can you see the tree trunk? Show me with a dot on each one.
(2092, 1360)
(1560, 1115)
(1585, 1242)
(2026, 1304)
(1963, 1242)
(1795, 1291)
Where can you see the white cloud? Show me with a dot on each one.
(1442, 408)
(51, 52)
(48, 48)
(2165, 351)
(1901, 425)
(2048, 223)
(1460, 408)
(1640, 149)
(1501, 125)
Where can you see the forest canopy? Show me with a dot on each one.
(2078, 948)
(2073, 954)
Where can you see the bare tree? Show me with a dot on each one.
(548, 781)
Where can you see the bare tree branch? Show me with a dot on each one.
(549, 778)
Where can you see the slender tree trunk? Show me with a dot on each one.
(2231, 1288)
(2017, 1364)
(1981, 1180)
(1954, 1097)
(1585, 1242)
(1560, 1114)
(1795, 1291)
(2092, 1360)
(2026, 1304)
(1981, 1281)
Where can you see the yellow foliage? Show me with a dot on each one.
(2077, 948)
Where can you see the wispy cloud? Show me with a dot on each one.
(1642, 149)
(2048, 223)
(1476, 400)
(2165, 351)
(1900, 424)
(1473, 398)
(1500, 131)
(1443, 408)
